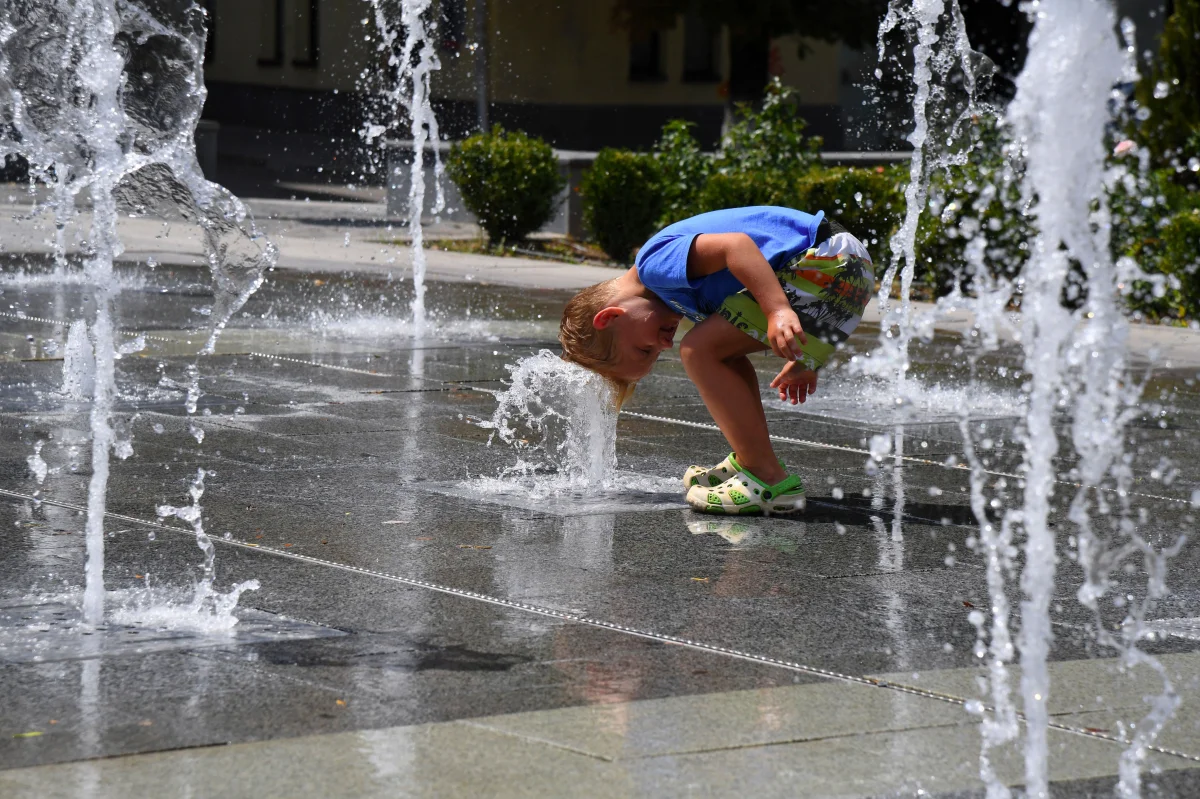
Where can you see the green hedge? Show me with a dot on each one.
(508, 180)
(867, 202)
(622, 201)
(1173, 252)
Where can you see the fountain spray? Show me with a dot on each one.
(413, 60)
(102, 98)
(1060, 114)
(1076, 362)
(940, 49)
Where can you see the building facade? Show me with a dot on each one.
(560, 69)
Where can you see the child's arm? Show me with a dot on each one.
(712, 252)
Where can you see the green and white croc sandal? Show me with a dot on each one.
(745, 494)
(702, 476)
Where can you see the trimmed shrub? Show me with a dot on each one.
(741, 188)
(1173, 251)
(622, 201)
(508, 180)
(981, 197)
(867, 202)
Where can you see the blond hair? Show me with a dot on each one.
(583, 344)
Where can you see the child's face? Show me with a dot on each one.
(644, 328)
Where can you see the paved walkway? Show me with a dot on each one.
(417, 633)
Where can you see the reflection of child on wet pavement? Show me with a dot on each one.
(752, 279)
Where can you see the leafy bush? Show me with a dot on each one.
(980, 197)
(622, 201)
(738, 189)
(1155, 221)
(1173, 251)
(867, 202)
(508, 180)
(684, 170)
(761, 157)
(770, 140)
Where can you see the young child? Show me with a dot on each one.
(751, 279)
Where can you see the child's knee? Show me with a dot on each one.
(697, 348)
(690, 349)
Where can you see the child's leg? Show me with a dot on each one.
(714, 355)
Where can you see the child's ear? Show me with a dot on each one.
(605, 316)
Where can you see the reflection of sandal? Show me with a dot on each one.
(733, 532)
(746, 494)
(701, 476)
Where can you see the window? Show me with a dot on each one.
(271, 34)
(309, 13)
(453, 24)
(645, 56)
(701, 45)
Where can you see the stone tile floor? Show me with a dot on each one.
(494, 650)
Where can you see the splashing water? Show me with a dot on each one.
(79, 363)
(941, 52)
(562, 421)
(1061, 116)
(1077, 362)
(102, 98)
(414, 61)
(207, 609)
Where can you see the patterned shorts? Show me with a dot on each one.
(828, 287)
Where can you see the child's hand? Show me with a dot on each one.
(783, 328)
(795, 381)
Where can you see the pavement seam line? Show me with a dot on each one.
(578, 618)
(522, 736)
(27, 318)
(319, 365)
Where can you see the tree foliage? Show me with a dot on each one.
(1170, 88)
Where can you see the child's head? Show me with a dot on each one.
(617, 331)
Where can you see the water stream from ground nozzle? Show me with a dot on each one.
(1075, 358)
(407, 29)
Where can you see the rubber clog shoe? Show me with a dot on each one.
(744, 494)
(703, 476)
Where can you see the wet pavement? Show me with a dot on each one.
(413, 635)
